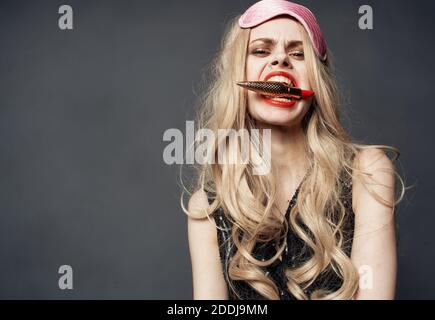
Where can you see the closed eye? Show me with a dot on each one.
(259, 51)
(298, 54)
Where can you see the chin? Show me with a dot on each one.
(276, 115)
(279, 118)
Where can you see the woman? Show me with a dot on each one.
(320, 224)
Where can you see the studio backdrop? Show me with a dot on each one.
(88, 90)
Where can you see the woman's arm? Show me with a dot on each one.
(208, 279)
(374, 246)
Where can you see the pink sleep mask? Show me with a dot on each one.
(267, 9)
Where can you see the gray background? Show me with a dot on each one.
(82, 116)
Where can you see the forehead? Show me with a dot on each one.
(281, 27)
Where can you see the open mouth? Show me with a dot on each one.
(280, 78)
(283, 99)
(282, 102)
(280, 99)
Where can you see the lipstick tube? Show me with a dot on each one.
(276, 89)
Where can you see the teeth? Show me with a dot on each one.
(280, 79)
(279, 99)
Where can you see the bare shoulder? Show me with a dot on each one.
(207, 271)
(200, 229)
(198, 201)
(374, 244)
(373, 159)
(373, 192)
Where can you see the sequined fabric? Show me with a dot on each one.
(296, 252)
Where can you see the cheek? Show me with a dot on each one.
(304, 81)
(253, 70)
(253, 73)
(251, 100)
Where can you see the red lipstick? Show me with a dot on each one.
(270, 90)
(276, 89)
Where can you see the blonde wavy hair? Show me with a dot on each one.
(249, 200)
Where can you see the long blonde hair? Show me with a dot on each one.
(249, 200)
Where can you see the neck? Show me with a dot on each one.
(288, 152)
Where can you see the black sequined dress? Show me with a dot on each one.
(295, 253)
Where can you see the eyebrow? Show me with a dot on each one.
(290, 44)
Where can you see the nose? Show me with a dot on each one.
(281, 58)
